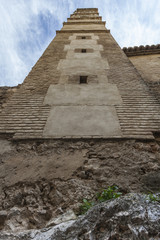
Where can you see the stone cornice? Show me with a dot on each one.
(84, 23)
(83, 31)
(78, 18)
(142, 50)
(84, 13)
(86, 9)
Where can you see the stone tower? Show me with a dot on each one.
(83, 86)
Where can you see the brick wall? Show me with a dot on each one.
(25, 113)
(149, 68)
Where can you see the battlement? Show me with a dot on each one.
(142, 50)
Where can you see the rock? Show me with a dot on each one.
(153, 166)
(3, 217)
(5, 146)
(132, 216)
(116, 155)
(155, 147)
(16, 220)
(69, 215)
(82, 175)
(101, 157)
(151, 182)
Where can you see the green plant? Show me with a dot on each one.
(87, 204)
(106, 194)
(109, 193)
(153, 197)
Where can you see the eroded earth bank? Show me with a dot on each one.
(43, 180)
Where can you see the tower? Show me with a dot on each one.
(80, 98)
(83, 86)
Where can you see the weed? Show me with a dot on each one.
(87, 204)
(106, 194)
(153, 197)
(109, 193)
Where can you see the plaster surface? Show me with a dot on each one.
(70, 66)
(83, 94)
(88, 56)
(84, 26)
(82, 121)
(84, 15)
(88, 43)
(148, 66)
(97, 76)
(74, 36)
(77, 63)
(84, 20)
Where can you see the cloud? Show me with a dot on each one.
(27, 27)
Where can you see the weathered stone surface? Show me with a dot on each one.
(130, 217)
(69, 215)
(3, 216)
(152, 181)
(5, 146)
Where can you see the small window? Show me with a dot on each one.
(83, 37)
(83, 79)
(83, 50)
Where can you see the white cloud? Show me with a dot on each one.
(27, 27)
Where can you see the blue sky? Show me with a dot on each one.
(28, 26)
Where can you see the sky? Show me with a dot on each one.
(28, 26)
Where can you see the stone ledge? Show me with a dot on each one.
(83, 31)
(124, 137)
(77, 18)
(83, 13)
(84, 23)
(86, 9)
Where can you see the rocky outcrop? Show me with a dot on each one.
(40, 181)
(132, 216)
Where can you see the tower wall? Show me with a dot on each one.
(54, 103)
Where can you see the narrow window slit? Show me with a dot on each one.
(83, 50)
(83, 79)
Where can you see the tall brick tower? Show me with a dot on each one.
(83, 86)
